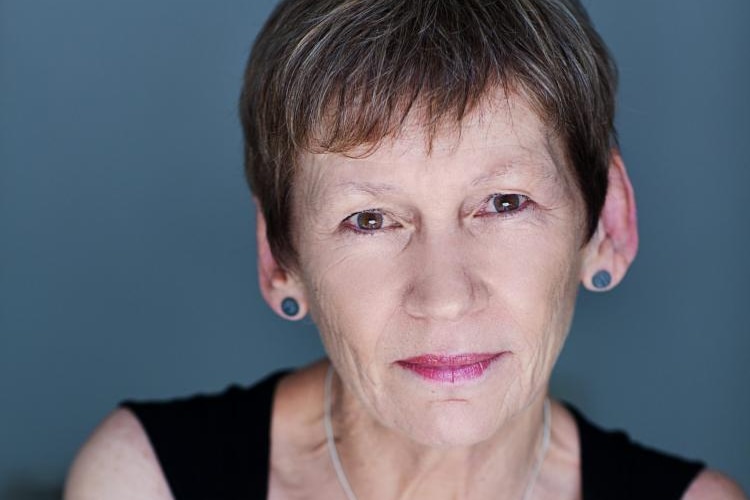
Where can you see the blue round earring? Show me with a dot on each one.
(290, 307)
(601, 280)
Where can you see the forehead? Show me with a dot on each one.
(501, 136)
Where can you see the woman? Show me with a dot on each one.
(433, 181)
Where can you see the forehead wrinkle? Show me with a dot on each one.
(315, 168)
(542, 161)
(322, 195)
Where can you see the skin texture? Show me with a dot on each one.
(445, 274)
(117, 462)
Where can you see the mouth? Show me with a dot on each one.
(450, 369)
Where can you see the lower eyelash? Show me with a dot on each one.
(361, 232)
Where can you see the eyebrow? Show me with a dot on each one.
(541, 168)
(378, 188)
(371, 188)
(497, 173)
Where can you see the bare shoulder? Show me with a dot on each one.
(117, 462)
(714, 485)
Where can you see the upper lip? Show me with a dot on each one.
(449, 360)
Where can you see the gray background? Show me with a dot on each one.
(127, 262)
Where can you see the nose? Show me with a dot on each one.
(443, 283)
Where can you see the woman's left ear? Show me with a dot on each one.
(615, 242)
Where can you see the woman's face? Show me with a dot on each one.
(443, 282)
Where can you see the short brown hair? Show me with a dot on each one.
(332, 75)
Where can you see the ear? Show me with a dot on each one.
(615, 242)
(276, 283)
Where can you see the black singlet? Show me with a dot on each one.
(217, 447)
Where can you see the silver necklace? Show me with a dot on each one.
(344, 482)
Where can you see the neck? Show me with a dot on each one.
(387, 464)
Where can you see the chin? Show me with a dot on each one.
(451, 425)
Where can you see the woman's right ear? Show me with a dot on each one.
(281, 289)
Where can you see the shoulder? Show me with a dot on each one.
(612, 462)
(155, 449)
(711, 484)
(116, 462)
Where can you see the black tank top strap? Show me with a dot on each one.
(214, 446)
(613, 467)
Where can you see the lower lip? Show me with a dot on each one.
(450, 369)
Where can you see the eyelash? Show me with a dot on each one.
(349, 223)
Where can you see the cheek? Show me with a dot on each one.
(545, 272)
(352, 301)
(547, 283)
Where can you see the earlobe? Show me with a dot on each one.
(615, 243)
(280, 289)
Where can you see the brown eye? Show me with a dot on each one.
(369, 221)
(504, 203)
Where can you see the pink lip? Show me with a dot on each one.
(450, 369)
